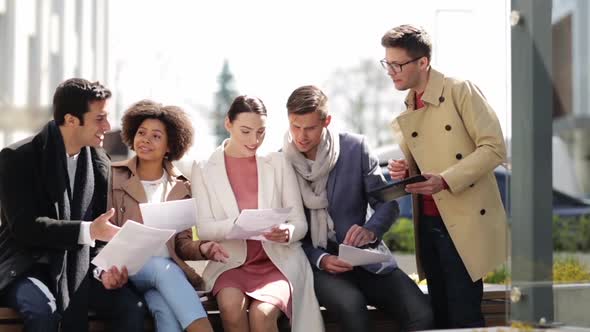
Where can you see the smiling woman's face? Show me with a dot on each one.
(151, 140)
(246, 132)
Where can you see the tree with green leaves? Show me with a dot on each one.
(223, 99)
(362, 95)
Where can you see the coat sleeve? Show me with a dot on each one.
(186, 247)
(483, 127)
(19, 197)
(313, 254)
(385, 212)
(113, 201)
(399, 139)
(208, 228)
(291, 197)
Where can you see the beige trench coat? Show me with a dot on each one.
(127, 193)
(217, 209)
(457, 134)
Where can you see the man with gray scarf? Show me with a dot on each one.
(336, 171)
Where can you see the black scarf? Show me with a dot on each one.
(70, 267)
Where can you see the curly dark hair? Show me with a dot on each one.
(178, 125)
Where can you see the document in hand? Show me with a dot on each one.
(251, 224)
(357, 256)
(132, 246)
(395, 190)
(177, 215)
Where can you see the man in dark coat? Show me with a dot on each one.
(53, 193)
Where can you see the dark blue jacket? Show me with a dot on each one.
(356, 173)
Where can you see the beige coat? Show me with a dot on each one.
(457, 134)
(217, 210)
(127, 193)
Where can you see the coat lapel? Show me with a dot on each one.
(177, 181)
(434, 88)
(265, 182)
(331, 185)
(132, 186)
(54, 169)
(216, 173)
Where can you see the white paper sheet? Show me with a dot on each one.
(132, 246)
(251, 224)
(356, 256)
(178, 215)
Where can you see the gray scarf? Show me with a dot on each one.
(313, 180)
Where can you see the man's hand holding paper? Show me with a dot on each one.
(133, 245)
(357, 256)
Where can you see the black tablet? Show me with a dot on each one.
(395, 190)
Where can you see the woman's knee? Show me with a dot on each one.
(232, 305)
(263, 314)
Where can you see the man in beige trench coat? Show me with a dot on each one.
(451, 135)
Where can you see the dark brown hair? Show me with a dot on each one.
(178, 125)
(74, 96)
(245, 104)
(308, 99)
(415, 40)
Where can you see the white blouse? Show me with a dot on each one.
(156, 191)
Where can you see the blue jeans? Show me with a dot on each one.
(170, 297)
(33, 300)
(30, 296)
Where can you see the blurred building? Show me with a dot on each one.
(571, 83)
(43, 42)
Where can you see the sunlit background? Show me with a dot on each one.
(201, 56)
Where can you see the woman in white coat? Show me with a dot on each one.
(253, 281)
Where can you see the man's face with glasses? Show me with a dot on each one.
(403, 69)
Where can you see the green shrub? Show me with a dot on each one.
(571, 233)
(569, 269)
(498, 276)
(566, 269)
(400, 237)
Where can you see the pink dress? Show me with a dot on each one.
(258, 277)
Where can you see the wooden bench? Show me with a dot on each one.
(494, 307)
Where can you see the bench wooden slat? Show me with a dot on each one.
(8, 315)
(494, 307)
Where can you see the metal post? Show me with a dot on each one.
(531, 182)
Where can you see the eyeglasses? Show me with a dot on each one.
(396, 68)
